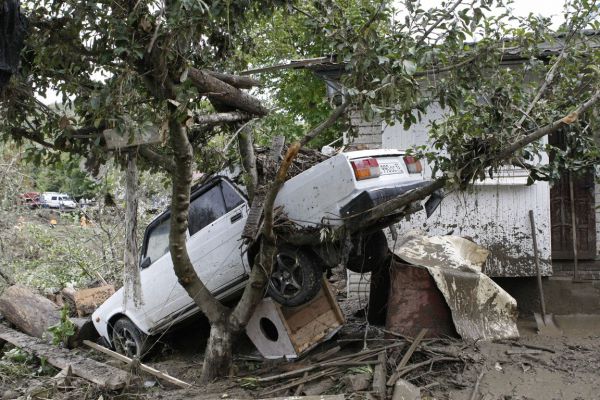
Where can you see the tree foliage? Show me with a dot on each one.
(168, 65)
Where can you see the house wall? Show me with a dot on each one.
(368, 133)
(494, 213)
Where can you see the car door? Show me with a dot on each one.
(161, 292)
(217, 218)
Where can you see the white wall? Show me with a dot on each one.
(494, 213)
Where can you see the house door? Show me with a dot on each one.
(585, 216)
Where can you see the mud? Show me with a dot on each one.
(571, 372)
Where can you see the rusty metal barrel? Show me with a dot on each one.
(415, 302)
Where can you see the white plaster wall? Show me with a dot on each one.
(494, 213)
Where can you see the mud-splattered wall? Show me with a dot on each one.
(597, 201)
(494, 213)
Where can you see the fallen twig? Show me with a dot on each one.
(407, 357)
(332, 362)
(476, 388)
(412, 367)
(142, 367)
(300, 381)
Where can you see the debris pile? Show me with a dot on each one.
(389, 364)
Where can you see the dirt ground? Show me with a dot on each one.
(566, 369)
(569, 372)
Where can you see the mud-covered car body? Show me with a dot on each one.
(345, 185)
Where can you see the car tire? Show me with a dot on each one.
(129, 341)
(373, 253)
(296, 277)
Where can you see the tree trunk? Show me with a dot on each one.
(28, 311)
(132, 282)
(218, 354)
(33, 314)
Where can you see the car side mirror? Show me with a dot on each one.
(145, 262)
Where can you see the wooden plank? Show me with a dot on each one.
(143, 367)
(320, 397)
(407, 356)
(333, 302)
(101, 374)
(380, 375)
(117, 140)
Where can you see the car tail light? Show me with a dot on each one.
(413, 165)
(365, 168)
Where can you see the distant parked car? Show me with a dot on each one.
(57, 200)
(345, 185)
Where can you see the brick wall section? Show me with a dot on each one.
(368, 132)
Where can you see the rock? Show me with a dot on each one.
(404, 390)
(318, 387)
(10, 394)
(357, 382)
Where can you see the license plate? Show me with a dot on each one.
(389, 168)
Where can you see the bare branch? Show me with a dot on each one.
(248, 157)
(219, 118)
(238, 81)
(261, 272)
(150, 155)
(224, 94)
(439, 21)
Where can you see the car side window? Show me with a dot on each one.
(232, 197)
(53, 197)
(206, 208)
(158, 240)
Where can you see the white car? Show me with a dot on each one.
(57, 200)
(346, 185)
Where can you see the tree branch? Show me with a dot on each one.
(439, 21)
(153, 157)
(264, 266)
(219, 118)
(225, 94)
(395, 204)
(180, 201)
(237, 81)
(246, 148)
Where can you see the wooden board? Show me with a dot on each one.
(101, 374)
(116, 140)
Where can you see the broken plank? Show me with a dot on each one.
(407, 356)
(143, 367)
(320, 397)
(101, 374)
(303, 380)
(379, 375)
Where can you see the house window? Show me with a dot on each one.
(206, 208)
(158, 240)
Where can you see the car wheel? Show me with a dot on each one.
(373, 252)
(296, 277)
(129, 340)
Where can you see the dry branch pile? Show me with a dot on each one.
(390, 365)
